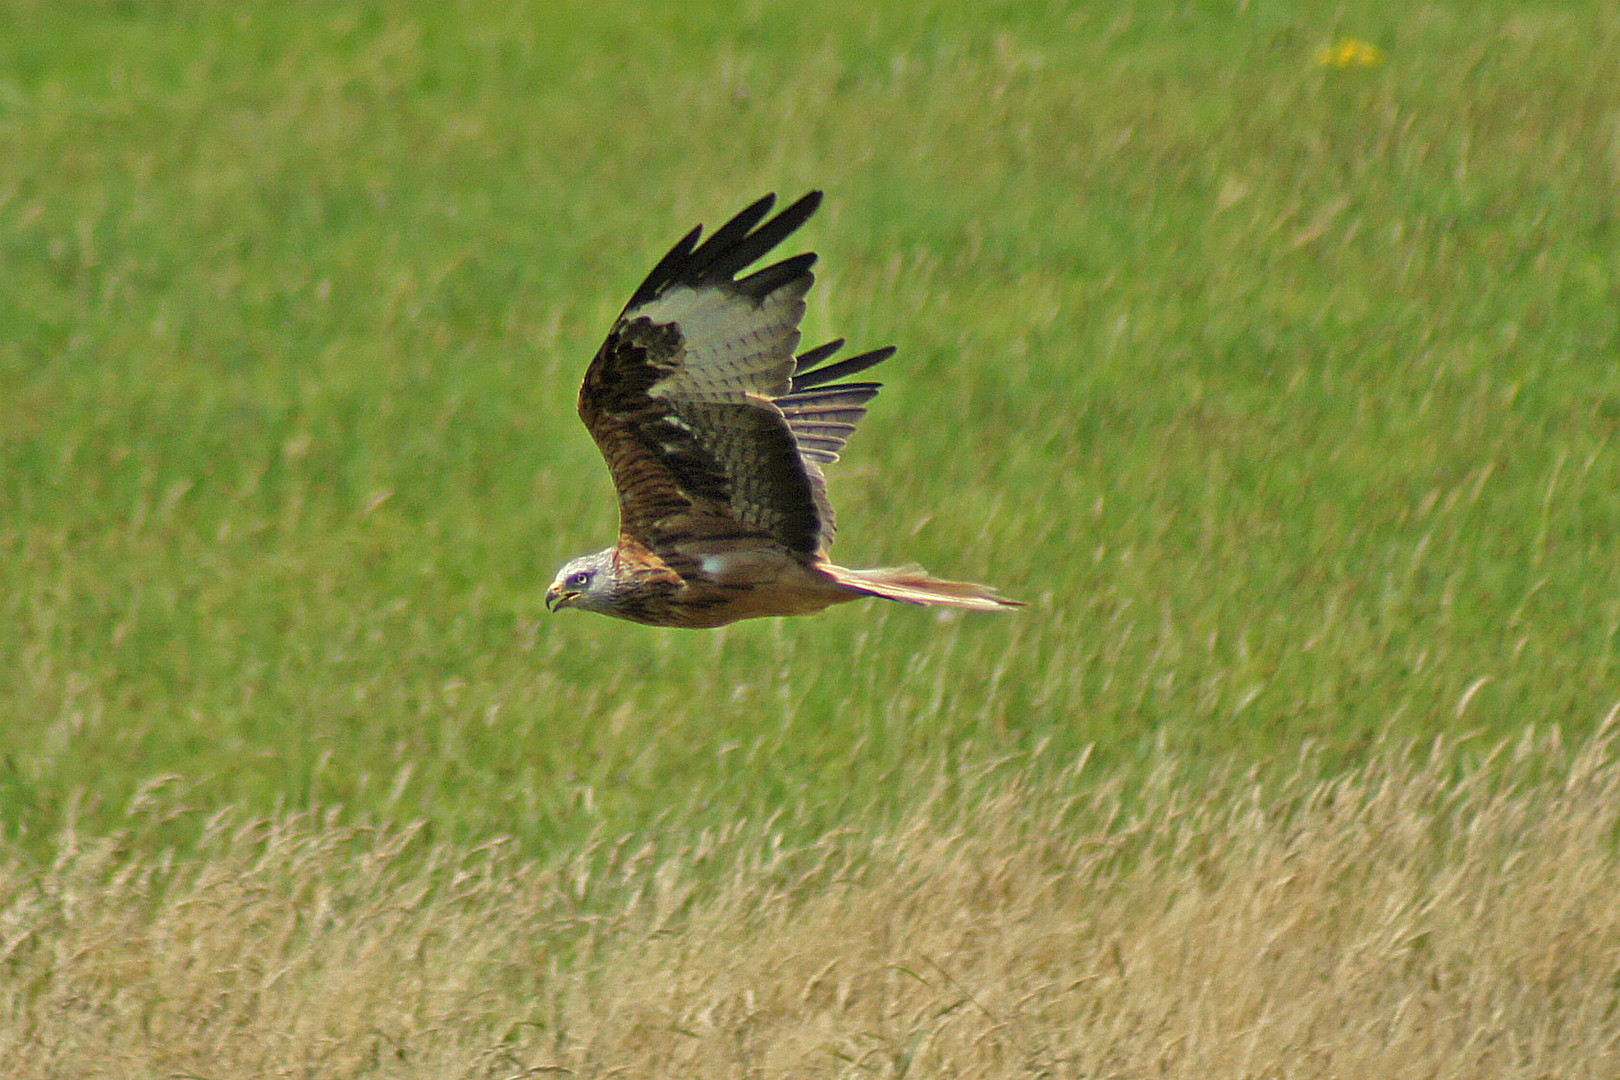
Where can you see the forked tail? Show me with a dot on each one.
(914, 585)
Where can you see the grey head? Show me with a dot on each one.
(588, 583)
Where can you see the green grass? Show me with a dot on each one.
(1287, 395)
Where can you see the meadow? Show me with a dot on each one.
(1276, 371)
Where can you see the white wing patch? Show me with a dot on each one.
(756, 566)
(735, 349)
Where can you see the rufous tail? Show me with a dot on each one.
(914, 585)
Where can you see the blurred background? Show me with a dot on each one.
(1267, 351)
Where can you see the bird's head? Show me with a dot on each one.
(585, 583)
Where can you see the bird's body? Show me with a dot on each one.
(715, 433)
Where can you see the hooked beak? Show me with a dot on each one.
(557, 599)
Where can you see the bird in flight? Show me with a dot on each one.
(715, 434)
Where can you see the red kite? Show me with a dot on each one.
(715, 434)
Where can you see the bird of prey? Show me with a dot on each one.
(715, 434)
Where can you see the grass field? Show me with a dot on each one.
(1285, 391)
(1392, 922)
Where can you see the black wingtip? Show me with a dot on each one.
(811, 357)
(667, 269)
(737, 229)
(743, 240)
(806, 374)
(804, 206)
(734, 246)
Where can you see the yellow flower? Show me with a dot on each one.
(1350, 52)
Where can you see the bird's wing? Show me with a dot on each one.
(680, 396)
(822, 417)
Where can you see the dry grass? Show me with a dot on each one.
(1412, 919)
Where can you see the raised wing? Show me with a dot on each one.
(822, 417)
(680, 396)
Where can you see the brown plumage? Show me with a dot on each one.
(715, 434)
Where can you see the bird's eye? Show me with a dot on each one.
(579, 579)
